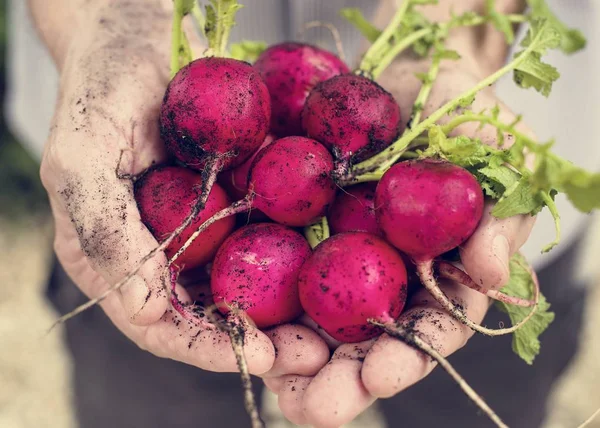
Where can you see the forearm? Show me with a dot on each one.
(60, 22)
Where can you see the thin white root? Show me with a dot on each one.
(589, 420)
(339, 46)
(425, 273)
(235, 328)
(449, 271)
(399, 332)
(207, 184)
(233, 209)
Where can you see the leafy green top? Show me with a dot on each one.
(525, 342)
(504, 175)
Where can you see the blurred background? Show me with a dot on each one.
(35, 369)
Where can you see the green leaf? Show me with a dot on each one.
(446, 54)
(355, 17)
(495, 180)
(220, 19)
(572, 40)
(519, 199)
(583, 190)
(533, 73)
(555, 173)
(247, 50)
(526, 343)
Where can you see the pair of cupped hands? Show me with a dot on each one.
(106, 127)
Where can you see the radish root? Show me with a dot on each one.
(235, 328)
(236, 333)
(425, 273)
(339, 46)
(209, 177)
(410, 338)
(449, 271)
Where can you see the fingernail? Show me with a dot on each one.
(501, 250)
(134, 295)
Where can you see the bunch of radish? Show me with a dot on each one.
(287, 184)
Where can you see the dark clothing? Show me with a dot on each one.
(118, 385)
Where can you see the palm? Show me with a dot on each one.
(358, 374)
(101, 125)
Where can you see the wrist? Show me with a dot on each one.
(68, 26)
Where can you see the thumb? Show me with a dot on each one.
(486, 254)
(103, 212)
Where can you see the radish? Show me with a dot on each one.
(290, 71)
(292, 182)
(349, 279)
(235, 181)
(165, 195)
(353, 116)
(354, 210)
(256, 271)
(215, 111)
(426, 208)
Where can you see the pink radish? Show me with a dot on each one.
(165, 196)
(354, 210)
(351, 278)
(353, 116)
(215, 109)
(256, 271)
(290, 71)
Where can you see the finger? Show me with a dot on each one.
(274, 383)
(300, 351)
(337, 395)
(392, 366)
(486, 254)
(206, 347)
(290, 398)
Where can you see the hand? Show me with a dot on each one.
(113, 79)
(358, 374)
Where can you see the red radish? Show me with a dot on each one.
(351, 278)
(428, 207)
(292, 181)
(425, 208)
(235, 181)
(256, 270)
(215, 109)
(165, 196)
(353, 116)
(289, 181)
(354, 210)
(290, 71)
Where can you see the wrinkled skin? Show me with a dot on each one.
(290, 71)
(113, 81)
(256, 271)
